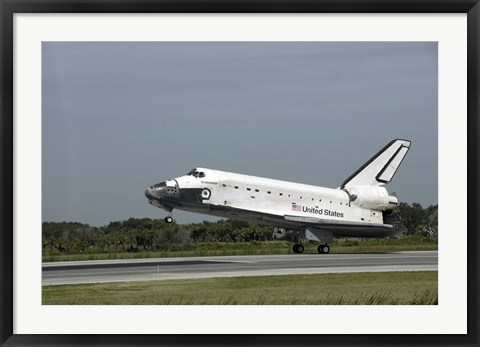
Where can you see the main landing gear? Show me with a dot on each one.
(323, 249)
(298, 248)
(168, 219)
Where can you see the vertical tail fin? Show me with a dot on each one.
(381, 168)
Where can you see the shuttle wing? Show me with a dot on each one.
(335, 224)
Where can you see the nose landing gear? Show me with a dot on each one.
(168, 219)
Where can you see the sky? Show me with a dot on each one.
(120, 116)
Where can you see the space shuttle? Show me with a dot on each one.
(360, 207)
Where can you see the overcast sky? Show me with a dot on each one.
(118, 117)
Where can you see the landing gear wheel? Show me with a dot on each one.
(168, 219)
(323, 249)
(298, 248)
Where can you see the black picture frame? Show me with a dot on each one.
(7, 10)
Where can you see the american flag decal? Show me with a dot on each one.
(297, 208)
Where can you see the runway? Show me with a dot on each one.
(232, 266)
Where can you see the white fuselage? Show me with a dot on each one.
(245, 193)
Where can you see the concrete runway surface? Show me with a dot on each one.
(233, 266)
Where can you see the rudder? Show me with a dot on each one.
(381, 168)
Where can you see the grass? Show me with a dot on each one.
(386, 288)
(261, 248)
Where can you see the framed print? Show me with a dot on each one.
(102, 100)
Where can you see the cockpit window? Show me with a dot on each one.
(196, 173)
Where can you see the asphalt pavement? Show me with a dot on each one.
(232, 266)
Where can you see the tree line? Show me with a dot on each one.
(145, 234)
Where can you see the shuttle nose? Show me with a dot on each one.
(157, 191)
(149, 193)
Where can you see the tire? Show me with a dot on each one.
(300, 249)
(323, 249)
(295, 248)
(168, 219)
